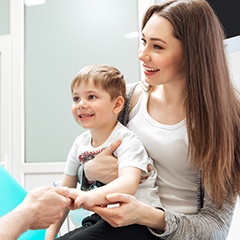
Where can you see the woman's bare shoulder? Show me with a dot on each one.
(136, 95)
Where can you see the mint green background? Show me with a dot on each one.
(62, 36)
(4, 17)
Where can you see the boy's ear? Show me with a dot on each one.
(119, 104)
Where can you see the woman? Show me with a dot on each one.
(187, 114)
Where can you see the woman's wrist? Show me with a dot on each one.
(152, 217)
(86, 170)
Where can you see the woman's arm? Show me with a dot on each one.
(209, 223)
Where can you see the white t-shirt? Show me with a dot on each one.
(167, 145)
(131, 153)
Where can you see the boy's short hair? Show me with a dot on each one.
(109, 78)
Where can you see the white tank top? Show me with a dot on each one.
(167, 145)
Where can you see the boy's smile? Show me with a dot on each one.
(92, 107)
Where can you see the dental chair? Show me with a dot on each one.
(12, 194)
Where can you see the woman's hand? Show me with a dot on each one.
(119, 216)
(104, 167)
(130, 211)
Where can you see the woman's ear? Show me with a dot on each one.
(119, 104)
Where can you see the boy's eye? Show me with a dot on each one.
(76, 99)
(92, 97)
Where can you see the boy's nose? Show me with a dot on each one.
(82, 104)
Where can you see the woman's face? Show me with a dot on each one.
(161, 53)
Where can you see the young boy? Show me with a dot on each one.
(98, 93)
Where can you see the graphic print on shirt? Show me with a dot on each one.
(88, 155)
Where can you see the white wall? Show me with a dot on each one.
(233, 54)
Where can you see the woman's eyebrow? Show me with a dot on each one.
(156, 39)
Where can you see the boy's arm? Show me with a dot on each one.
(127, 182)
(71, 182)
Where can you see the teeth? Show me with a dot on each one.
(151, 69)
(85, 115)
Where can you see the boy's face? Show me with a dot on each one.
(92, 107)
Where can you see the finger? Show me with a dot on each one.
(64, 191)
(64, 196)
(104, 211)
(73, 193)
(113, 146)
(144, 176)
(72, 206)
(149, 168)
(118, 198)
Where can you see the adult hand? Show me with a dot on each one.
(130, 211)
(125, 214)
(45, 206)
(104, 167)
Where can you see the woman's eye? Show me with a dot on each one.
(143, 41)
(157, 47)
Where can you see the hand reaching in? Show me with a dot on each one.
(81, 199)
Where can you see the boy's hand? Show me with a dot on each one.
(80, 199)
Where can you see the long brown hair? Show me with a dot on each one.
(212, 103)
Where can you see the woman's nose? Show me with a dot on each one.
(143, 55)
